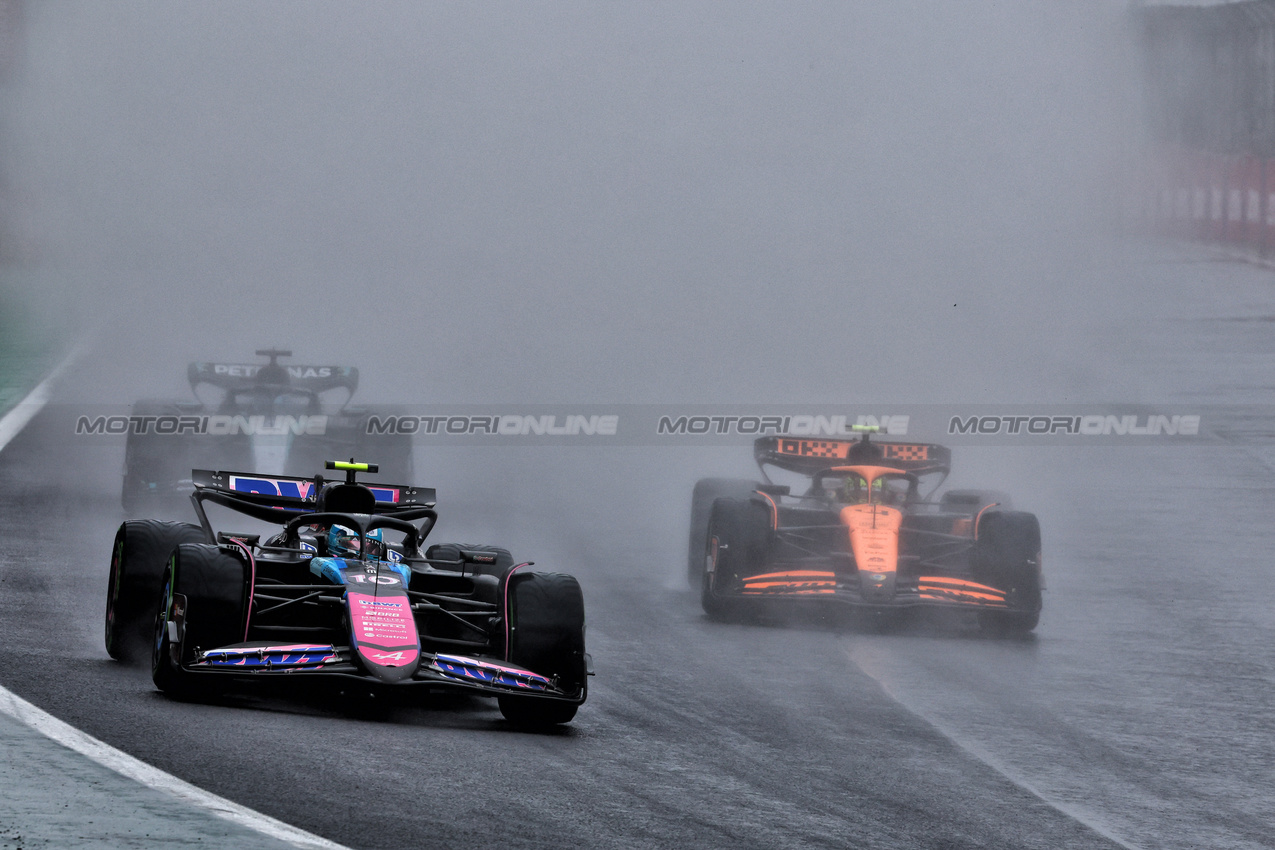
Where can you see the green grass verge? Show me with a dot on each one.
(28, 347)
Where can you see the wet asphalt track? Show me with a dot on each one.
(1139, 713)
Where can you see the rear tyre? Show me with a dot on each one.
(707, 491)
(138, 556)
(1007, 556)
(203, 605)
(739, 542)
(153, 463)
(137, 489)
(545, 614)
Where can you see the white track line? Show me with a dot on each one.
(104, 754)
(24, 411)
(152, 777)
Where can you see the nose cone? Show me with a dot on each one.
(874, 540)
(382, 626)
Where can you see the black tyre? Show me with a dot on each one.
(152, 462)
(739, 542)
(1006, 556)
(545, 614)
(707, 491)
(142, 467)
(204, 602)
(136, 492)
(138, 556)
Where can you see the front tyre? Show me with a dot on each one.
(707, 491)
(739, 542)
(203, 606)
(545, 634)
(1007, 556)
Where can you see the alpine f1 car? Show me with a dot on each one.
(280, 419)
(344, 589)
(864, 533)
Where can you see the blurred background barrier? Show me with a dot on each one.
(1209, 96)
(29, 338)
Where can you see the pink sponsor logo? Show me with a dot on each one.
(384, 629)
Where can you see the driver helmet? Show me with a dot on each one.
(856, 489)
(344, 543)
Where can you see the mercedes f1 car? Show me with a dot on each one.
(865, 533)
(280, 419)
(343, 589)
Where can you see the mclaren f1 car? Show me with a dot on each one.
(865, 532)
(342, 588)
(277, 418)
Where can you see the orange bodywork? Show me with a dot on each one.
(874, 528)
(774, 510)
(874, 536)
(793, 581)
(943, 588)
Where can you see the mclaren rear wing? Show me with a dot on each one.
(808, 455)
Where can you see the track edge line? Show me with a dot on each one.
(152, 777)
(33, 717)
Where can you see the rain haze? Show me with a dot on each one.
(583, 202)
(808, 204)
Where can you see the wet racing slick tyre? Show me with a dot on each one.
(1006, 556)
(738, 543)
(138, 556)
(153, 462)
(545, 628)
(707, 491)
(203, 605)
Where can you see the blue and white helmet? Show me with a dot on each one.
(344, 543)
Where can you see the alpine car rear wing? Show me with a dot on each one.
(277, 499)
(808, 455)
